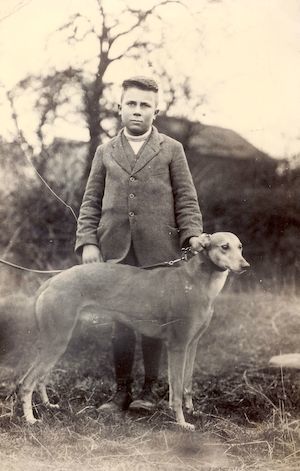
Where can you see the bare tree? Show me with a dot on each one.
(113, 40)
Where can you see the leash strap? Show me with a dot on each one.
(170, 263)
(162, 264)
(32, 270)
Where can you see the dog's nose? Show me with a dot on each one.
(245, 265)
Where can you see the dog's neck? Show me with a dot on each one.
(216, 277)
(209, 264)
(216, 284)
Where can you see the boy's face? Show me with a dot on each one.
(137, 110)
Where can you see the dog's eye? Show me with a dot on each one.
(225, 246)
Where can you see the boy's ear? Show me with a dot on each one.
(119, 109)
(156, 112)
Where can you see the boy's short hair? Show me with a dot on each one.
(142, 82)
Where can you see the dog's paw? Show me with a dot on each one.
(49, 405)
(197, 413)
(32, 421)
(189, 408)
(187, 427)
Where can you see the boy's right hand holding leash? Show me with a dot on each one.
(91, 254)
(198, 243)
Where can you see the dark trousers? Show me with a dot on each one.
(124, 341)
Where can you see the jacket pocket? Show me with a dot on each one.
(173, 232)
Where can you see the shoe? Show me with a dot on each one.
(147, 401)
(117, 403)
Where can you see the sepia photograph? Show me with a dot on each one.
(150, 235)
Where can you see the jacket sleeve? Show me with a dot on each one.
(90, 210)
(187, 210)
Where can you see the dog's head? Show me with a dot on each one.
(224, 250)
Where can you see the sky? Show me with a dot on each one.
(243, 55)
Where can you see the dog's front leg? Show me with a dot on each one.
(188, 377)
(176, 366)
(26, 400)
(189, 367)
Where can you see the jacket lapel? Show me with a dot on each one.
(151, 149)
(119, 155)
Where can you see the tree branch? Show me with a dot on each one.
(139, 45)
(15, 10)
(28, 153)
(142, 16)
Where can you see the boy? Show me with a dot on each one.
(140, 208)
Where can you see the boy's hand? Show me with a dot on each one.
(91, 254)
(199, 243)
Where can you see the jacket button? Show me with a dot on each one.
(131, 214)
(131, 195)
(132, 179)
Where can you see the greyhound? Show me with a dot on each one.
(174, 304)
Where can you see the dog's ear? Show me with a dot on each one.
(205, 240)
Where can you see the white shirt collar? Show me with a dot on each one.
(140, 138)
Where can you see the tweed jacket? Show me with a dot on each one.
(152, 206)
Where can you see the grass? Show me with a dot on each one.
(248, 412)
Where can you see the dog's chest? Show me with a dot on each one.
(208, 289)
(216, 284)
(188, 288)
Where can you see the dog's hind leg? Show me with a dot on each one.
(32, 380)
(176, 367)
(41, 387)
(25, 391)
(56, 319)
